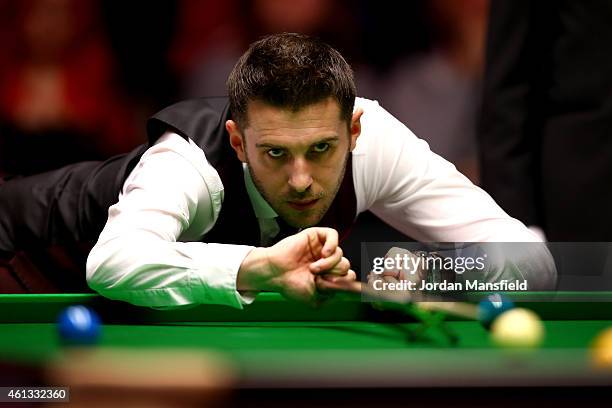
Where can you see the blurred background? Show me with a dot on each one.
(78, 78)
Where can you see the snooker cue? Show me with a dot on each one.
(424, 302)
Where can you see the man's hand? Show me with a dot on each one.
(294, 265)
(407, 267)
(403, 270)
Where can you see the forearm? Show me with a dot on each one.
(255, 272)
(155, 273)
(529, 262)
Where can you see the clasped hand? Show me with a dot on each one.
(303, 267)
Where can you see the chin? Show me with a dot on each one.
(300, 222)
(312, 218)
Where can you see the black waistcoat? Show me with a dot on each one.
(203, 121)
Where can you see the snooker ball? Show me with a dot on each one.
(601, 349)
(517, 328)
(491, 307)
(78, 325)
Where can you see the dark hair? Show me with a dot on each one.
(290, 71)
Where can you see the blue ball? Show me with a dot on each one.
(79, 325)
(491, 307)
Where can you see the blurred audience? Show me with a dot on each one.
(141, 41)
(59, 102)
(434, 86)
(225, 29)
(79, 77)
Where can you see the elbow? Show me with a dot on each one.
(530, 262)
(541, 266)
(99, 270)
(550, 270)
(94, 272)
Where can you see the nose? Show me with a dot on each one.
(300, 178)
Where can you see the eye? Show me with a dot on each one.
(276, 153)
(321, 147)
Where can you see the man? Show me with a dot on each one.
(294, 148)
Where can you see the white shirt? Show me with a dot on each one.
(150, 251)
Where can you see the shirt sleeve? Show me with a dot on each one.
(416, 191)
(147, 254)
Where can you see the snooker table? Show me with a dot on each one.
(342, 351)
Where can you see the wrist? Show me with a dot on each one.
(255, 271)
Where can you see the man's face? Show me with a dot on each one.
(296, 159)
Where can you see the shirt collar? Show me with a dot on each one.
(260, 205)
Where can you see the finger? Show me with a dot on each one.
(349, 276)
(399, 271)
(390, 279)
(394, 251)
(393, 272)
(329, 238)
(327, 263)
(315, 244)
(340, 269)
(326, 283)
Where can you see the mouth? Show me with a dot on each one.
(303, 205)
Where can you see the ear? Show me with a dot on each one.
(355, 127)
(236, 140)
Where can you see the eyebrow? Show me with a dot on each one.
(324, 140)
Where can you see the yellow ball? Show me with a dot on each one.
(517, 328)
(601, 349)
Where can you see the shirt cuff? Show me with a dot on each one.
(215, 281)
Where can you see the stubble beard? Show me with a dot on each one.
(287, 217)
